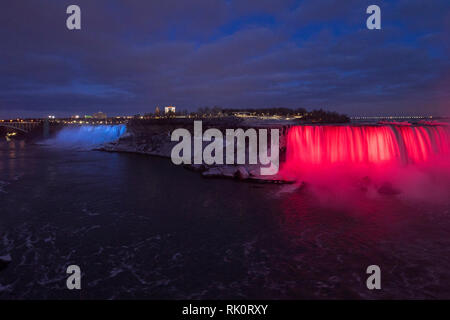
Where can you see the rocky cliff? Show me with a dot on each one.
(153, 137)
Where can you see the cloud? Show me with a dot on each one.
(130, 56)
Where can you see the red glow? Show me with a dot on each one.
(308, 146)
(347, 166)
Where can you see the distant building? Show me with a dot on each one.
(242, 114)
(99, 115)
(169, 109)
(157, 111)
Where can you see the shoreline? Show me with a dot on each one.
(247, 173)
(153, 139)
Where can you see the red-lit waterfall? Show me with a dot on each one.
(347, 165)
(326, 145)
(330, 154)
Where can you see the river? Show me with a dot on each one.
(140, 227)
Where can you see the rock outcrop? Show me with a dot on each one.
(154, 139)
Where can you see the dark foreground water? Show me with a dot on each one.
(140, 227)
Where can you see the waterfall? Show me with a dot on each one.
(345, 164)
(350, 144)
(87, 136)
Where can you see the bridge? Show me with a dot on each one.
(21, 125)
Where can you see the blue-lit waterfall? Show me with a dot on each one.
(87, 136)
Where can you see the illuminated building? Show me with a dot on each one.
(169, 109)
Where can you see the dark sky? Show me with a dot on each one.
(133, 55)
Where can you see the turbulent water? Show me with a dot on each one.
(140, 227)
(413, 161)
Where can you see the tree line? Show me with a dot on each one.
(301, 114)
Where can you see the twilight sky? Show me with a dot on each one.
(133, 55)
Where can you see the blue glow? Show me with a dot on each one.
(88, 136)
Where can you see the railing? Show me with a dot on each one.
(21, 125)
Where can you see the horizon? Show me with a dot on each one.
(131, 115)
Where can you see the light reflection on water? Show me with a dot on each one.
(140, 227)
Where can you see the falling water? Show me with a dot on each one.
(87, 136)
(353, 145)
(396, 159)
